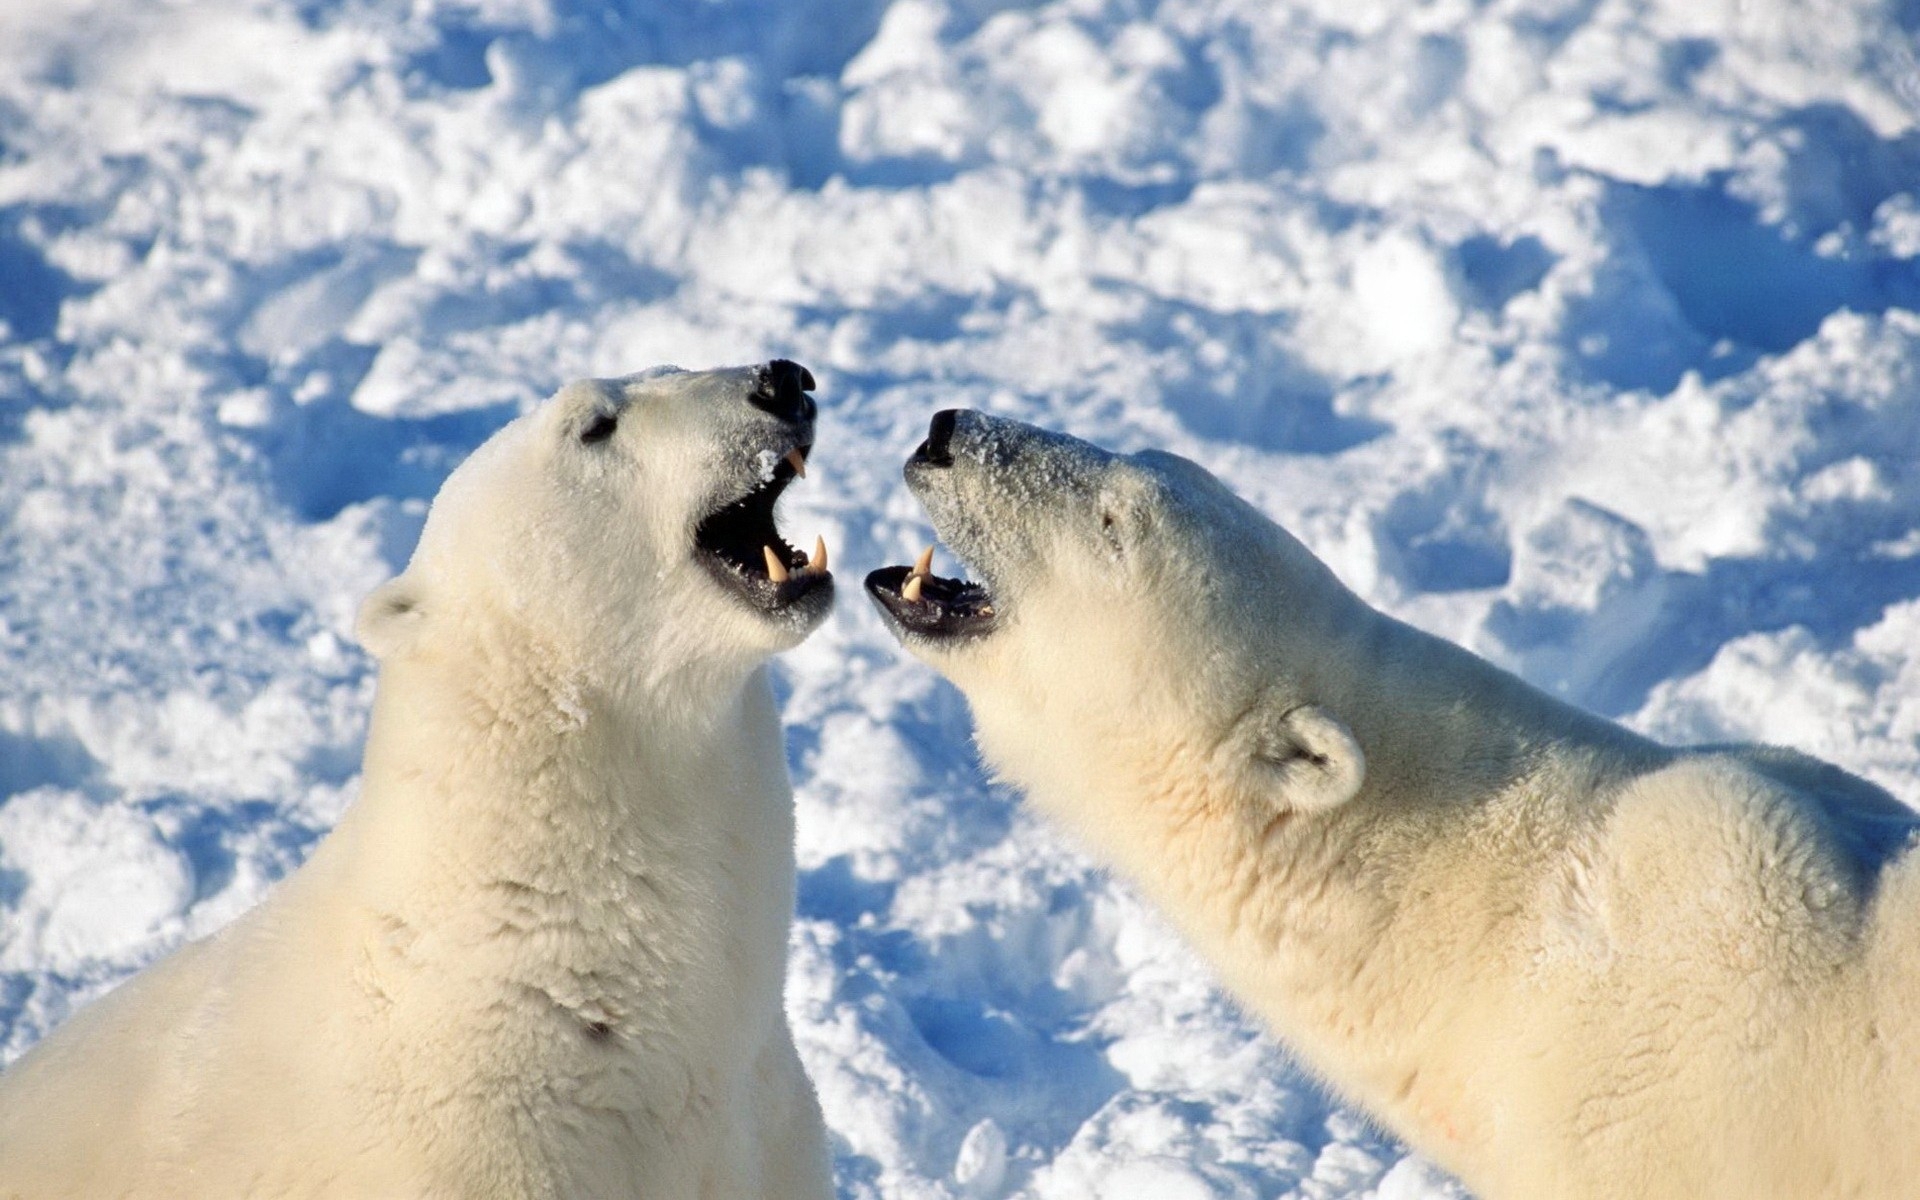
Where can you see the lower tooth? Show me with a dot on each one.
(910, 592)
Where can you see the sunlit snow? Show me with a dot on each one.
(1585, 333)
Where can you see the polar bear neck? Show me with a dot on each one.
(562, 753)
(1311, 918)
(1440, 722)
(616, 858)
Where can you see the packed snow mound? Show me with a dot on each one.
(1582, 333)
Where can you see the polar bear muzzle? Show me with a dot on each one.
(739, 542)
(918, 602)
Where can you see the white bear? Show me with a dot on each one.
(1555, 957)
(543, 953)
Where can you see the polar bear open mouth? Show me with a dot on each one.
(917, 601)
(742, 547)
(929, 605)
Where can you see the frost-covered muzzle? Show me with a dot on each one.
(739, 541)
(918, 602)
(984, 481)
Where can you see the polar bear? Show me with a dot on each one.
(542, 955)
(1555, 957)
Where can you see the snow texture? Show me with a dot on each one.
(1584, 332)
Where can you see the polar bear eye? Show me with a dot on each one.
(1110, 529)
(600, 430)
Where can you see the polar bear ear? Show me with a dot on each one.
(1310, 756)
(390, 618)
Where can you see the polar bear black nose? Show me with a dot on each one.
(934, 451)
(781, 388)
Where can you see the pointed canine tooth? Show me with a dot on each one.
(924, 564)
(819, 560)
(776, 570)
(910, 592)
(798, 462)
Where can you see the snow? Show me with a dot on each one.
(1586, 332)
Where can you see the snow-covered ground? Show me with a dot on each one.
(1586, 332)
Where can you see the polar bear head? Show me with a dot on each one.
(1133, 621)
(623, 531)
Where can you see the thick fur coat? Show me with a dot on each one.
(542, 955)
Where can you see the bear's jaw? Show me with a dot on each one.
(916, 602)
(741, 547)
(922, 605)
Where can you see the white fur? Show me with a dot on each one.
(1557, 958)
(542, 955)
